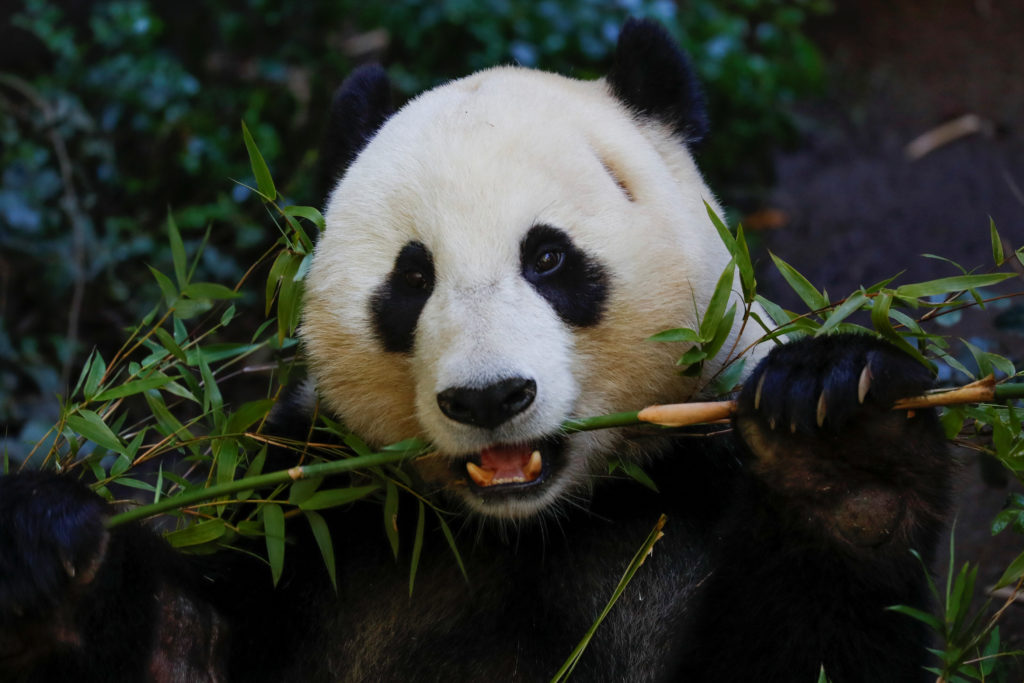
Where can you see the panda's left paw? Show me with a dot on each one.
(816, 415)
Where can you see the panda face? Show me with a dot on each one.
(492, 263)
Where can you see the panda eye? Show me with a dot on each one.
(549, 261)
(415, 279)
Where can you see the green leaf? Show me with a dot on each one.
(922, 616)
(259, 167)
(273, 526)
(167, 287)
(303, 489)
(391, 516)
(814, 299)
(334, 497)
(209, 290)
(133, 387)
(310, 213)
(97, 368)
(248, 414)
(451, 544)
(212, 399)
(226, 459)
(714, 345)
(719, 299)
(417, 545)
(842, 312)
(1013, 572)
(747, 280)
(197, 534)
(177, 251)
(91, 426)
(227, 316)
(680, 334)
(322, 534)
(723, 231)
(949, 285)
(167, 341)
(997, 244)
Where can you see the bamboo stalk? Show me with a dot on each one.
(670, 415)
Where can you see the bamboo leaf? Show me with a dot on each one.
(814, 299)
(451, 544)
(949, 285)
(273, 526)
(209, 290)
(1013, 573)
(97, 368)
(842, 312)
(248, 414)
(310, 213)
(196, 534)
(391, 516)
(177, 251)
(920, 615)
(719, 299)
(322, 534)
(167, 287)
(133, 387)
(681, 334)
(997, 243)
(91, 426)
(259, 167)
(417, 545)
(335, 497)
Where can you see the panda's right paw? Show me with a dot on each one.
(52, 543)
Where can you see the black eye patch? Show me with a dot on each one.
(573, 283)
(397, 303)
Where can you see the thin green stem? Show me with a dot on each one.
(259, 481)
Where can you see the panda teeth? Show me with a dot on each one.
(534, 466)
(479, 475)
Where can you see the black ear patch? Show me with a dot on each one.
(359, 108)
(655, 78)
(397, 304)
(574, 284)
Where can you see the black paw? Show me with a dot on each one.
(822, 385)
(52, 541)
(816, 415)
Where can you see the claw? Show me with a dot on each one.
(864, 383)
(757, 392)
(821, 409)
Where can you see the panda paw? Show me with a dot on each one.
(52, 543)
(816, 416)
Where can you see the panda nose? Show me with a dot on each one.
(489, 406)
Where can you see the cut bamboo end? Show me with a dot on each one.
(684, 414)
(976, 392)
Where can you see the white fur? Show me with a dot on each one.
(467, 169)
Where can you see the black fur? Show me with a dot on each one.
(396, 305)
(577, 285)
(655, 78)
(359, 108)
(771, 565)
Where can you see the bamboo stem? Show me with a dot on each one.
(670, 415)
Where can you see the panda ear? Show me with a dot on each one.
(359, 108)
(654, 77)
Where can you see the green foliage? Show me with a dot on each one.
(158, 421)
(127, 106)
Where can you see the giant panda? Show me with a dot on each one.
(495, 254)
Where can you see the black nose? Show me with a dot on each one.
(489, 406)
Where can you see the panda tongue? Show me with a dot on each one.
(510, 463)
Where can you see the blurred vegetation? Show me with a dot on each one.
(112, 113)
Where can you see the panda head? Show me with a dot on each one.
(495, 254)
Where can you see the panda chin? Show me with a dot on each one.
(504, 471)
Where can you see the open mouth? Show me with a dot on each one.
(509, 468)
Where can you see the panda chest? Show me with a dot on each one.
(522, 609)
